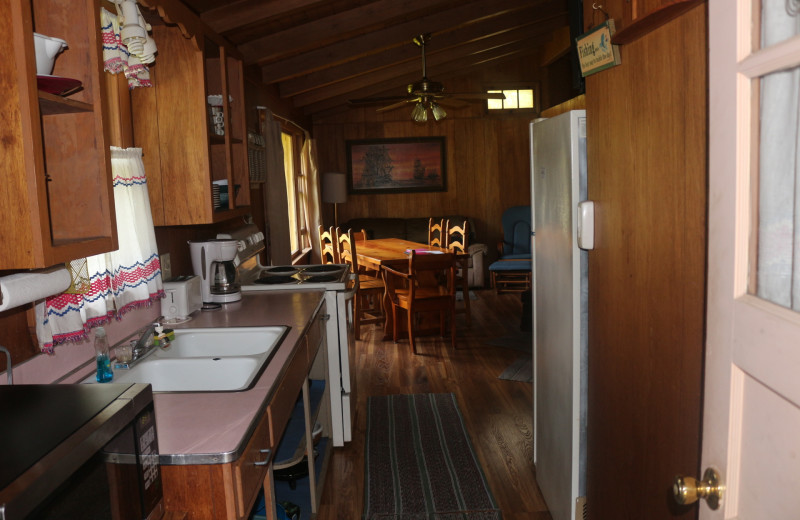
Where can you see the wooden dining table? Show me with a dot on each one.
(392, 252)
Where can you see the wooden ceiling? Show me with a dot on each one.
(320, 53)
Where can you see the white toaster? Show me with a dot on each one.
(183, 297)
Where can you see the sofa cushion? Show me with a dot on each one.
(380, 227)
(417, 230)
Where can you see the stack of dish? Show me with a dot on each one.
(215, 196)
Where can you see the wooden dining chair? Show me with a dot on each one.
(329, 246)
(437, 232)
(458, 242)
(428, 286)
(369, 296)
(360, 236)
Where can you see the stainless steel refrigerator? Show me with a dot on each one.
(560, 305)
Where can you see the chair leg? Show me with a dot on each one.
(411, 330)
(394, 323)
(357, 316)
(465, 292)
(452, 326)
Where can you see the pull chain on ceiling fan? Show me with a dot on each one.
(425, 93)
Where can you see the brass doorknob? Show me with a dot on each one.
(687, 489)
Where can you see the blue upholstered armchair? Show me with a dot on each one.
(512, 271)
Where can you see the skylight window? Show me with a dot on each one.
(515, 99)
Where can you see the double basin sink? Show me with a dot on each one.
(206, 360)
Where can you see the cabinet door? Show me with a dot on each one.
(187, 154)
(57, 199)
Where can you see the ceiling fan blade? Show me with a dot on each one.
(477, 95)
(376, 100)
(398, 105)
(452, 102)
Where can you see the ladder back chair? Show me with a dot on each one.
(328, 246)
(437, 232)
(428, 286)
(458, 242)
(369, 296)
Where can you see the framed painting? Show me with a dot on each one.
(402, 165)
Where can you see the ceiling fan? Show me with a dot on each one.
(425, 94)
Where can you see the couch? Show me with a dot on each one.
(416, 230)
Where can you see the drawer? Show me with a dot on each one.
(250, 469)
(282, 404)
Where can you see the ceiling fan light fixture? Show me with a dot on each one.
(420, 113)
(438, 111)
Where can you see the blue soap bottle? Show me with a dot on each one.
(104, 373)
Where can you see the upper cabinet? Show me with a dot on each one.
(191, 126)
(56, 199)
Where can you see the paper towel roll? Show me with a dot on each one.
(19, 289)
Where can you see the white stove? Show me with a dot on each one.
(340, 287)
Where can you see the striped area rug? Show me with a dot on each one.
(420, 464)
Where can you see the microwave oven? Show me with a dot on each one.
(87, 451)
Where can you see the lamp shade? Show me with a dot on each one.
(334, 188)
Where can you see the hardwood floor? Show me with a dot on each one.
(498, 413)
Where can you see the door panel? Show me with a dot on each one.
(647, 175)
(752, 388)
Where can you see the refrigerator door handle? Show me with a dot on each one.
(586, 225)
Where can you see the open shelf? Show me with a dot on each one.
(304, 491)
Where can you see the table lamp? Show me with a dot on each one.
(334, 191)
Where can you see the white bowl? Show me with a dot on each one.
(47, 48)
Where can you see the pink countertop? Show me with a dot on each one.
(203, 428)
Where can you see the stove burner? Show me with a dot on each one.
(281, 270)
(320, 278)
(323, 268)
(274, 280)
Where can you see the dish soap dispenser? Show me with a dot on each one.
(104, 373)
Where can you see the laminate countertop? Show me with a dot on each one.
(214, 427)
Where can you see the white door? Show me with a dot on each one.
(751, 431)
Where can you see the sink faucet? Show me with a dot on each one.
(9, 368)
(145, 342)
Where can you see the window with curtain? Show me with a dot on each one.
(296, 194)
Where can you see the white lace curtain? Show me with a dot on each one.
(779, 168)
(121, 280)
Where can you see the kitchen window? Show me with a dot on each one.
(296, 194)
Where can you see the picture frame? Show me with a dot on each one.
(398, 165)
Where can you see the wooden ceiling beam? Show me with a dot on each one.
(457, 59)
(339, 103)
(514, 25)
(231, 16)
(396, 36)
(369, 17)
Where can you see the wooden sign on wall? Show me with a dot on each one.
(595, 51)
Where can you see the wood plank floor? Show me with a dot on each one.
(498, 413)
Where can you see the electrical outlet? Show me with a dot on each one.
(166, 266)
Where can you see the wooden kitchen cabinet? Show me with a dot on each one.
(183, 155)
(56, 198)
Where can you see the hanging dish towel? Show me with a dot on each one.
(121, 280)
(116, 57)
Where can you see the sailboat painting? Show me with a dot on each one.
(396, 165)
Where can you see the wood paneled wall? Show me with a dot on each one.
(646, 140)
(488, 165)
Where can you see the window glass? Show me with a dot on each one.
(291, 188)
(515, 98)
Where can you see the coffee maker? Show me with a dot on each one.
(213, 262)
